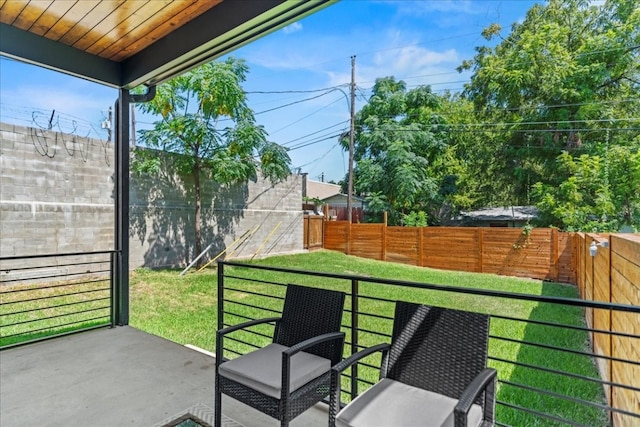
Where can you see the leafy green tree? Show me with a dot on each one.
(594, 197)
(205, 119)
(397, 137)
(566, 79)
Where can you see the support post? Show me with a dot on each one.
(121, 185)
(354, 336)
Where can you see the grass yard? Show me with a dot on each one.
(184, 309)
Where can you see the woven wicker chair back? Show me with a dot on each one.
(437, 349)
(309, 312)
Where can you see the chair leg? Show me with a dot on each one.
(218, 405)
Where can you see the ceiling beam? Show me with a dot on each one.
(227, 26)
(25, 46)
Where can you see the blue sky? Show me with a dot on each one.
(420, 42)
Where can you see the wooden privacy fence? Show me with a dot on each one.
(613, 275)
(541, 253)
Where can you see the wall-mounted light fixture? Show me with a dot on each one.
(593, 248)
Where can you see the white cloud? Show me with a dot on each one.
(414, 64)
(292, 28)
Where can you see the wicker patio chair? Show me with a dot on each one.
(433, 373)
(293, 373)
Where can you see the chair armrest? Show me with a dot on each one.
(485, 381)
(229, 329)
(311, 342)
(222, 332)
(355, 357)
(336, 373)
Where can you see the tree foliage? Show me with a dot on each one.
(550, 117)
(565, 80)
(397, 138)
(204, 119)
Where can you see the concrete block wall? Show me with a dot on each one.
(56, 192)
(56, 195)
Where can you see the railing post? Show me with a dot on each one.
(220, 295)
(112, 288)
(354, 336)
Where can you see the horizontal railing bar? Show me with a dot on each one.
(62, 334)
(540, 414)
(368, 331)
(232, 351)
(238, 315)
(48, 328)
(65, 285)
(55, 317)
(13, 313)
(569, 398)
(563, 326)
(53, 276)
(247, 279)
(253, 293)
(554, 394)
(57, 265)
(455, 289)
(244, 304)
(65, 254)
(566, 350)
(230, 338)
(566, 374)
(375, 316)
(55, 296)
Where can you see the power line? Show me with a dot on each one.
(313, 133)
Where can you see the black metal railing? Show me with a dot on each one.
(42, 296)
(550, 370)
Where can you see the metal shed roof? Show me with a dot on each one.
(126, 43)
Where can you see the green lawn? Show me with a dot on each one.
(184, 309)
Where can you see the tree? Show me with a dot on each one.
(205, 120)
(594, 197)
(566, 79)
(397, 137)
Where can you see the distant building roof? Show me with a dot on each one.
(321, 190)
(511, 213)
(338, 199)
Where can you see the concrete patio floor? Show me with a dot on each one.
(116, 377)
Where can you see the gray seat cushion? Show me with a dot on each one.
(262, 369)
(391, 403)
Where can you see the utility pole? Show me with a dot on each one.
(351, 139)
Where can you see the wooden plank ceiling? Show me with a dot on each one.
(141, 41)
(111, 29)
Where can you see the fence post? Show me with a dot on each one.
(480, 249)
(421, 246)
(348, 237)
(354, 336)
(555, 252)
(383, 236)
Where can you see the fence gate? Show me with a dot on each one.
(313, 232)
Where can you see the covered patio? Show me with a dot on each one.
(115, 376)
